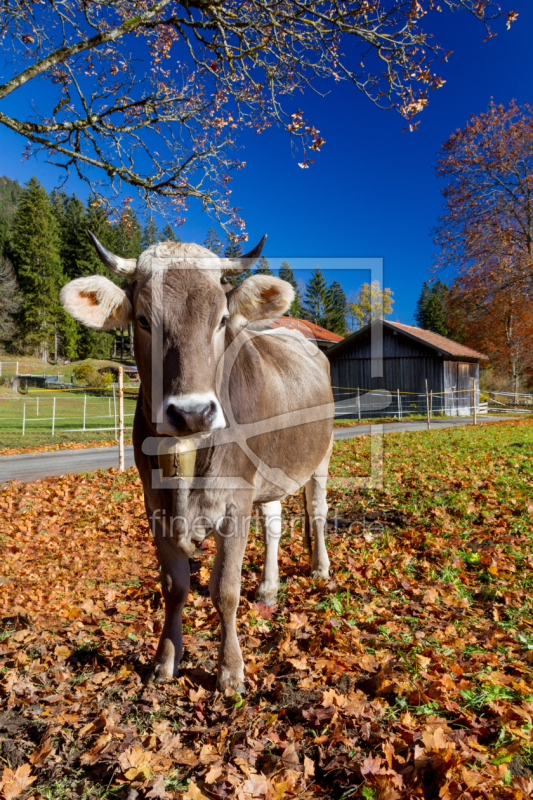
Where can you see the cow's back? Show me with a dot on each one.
(281, 395)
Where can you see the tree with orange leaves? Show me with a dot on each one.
(486, 235)
(496, 323)
(486, 230)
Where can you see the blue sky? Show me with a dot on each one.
(372, 191)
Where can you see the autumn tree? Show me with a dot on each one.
(150, 96)
(372, 302)
(498, 324)
(487, 224)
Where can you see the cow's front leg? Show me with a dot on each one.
(225, 588)
(175, 577)
(267, 591)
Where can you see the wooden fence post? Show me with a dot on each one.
(53, 416)
(358, 406)
(23, 419)
(115, 411)
(399, 405)
(474, 392)
(84, 409)
(120, 419)
(427, 406)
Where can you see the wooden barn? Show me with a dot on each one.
(410, 356)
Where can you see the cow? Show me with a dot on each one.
(229, 416)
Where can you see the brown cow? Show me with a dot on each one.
(227, 418)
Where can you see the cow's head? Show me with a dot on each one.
(178, 292)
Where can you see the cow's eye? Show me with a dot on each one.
(222, 323)
(143, 322)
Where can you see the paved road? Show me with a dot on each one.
(62, 462)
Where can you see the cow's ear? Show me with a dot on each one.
(259, 297)
(96, 302)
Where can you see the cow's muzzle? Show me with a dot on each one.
(186, 415)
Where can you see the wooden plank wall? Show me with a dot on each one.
(406, 365)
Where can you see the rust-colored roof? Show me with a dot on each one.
(436, 340)
(308, 329)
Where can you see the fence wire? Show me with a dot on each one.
(62, 414)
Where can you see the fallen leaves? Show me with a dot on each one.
(14, 783)
(410, 673)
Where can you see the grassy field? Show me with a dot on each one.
(409, 675)
(99, 413)
(32, 365)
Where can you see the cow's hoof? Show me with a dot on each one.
(229, 680)
(320, 574)
(266, 594)
(159, 673)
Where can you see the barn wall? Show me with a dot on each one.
(406, 365)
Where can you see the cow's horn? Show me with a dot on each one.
(234, 266)
(120, 266)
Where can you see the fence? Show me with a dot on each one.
(511, 399)
(66, 413)
(367, 404)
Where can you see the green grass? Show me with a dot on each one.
(69, 415)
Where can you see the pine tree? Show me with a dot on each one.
(10, 300)
(336, 309)
(36, 249)
(431, 308)
(5, 237)
(234, 250)
(150, 234)
(80, 260)
(263, 267)
(128, 235)
(286, 274)
(168, 235)
(72, 220)
(212, 242)
(315, 303)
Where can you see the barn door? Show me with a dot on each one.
(464, 388)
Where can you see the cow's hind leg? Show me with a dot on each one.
(317, 510)
(175, 577)
(225, 589)
(267, 591)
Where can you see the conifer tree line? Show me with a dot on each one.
(43, 245)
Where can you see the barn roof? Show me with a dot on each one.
(440, 343)
(308, 329)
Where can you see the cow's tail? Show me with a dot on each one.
(307, 527)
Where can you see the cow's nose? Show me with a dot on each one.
(192, 420)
